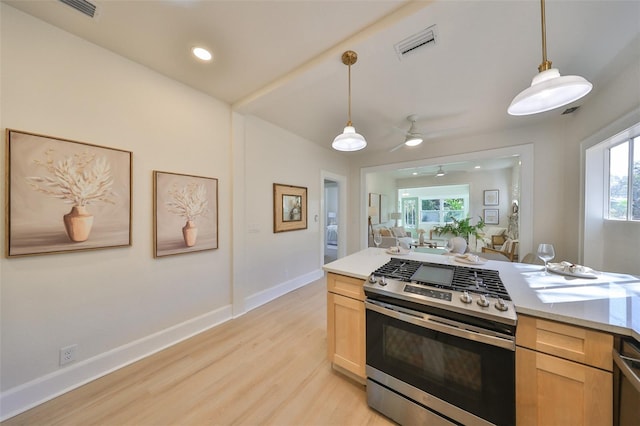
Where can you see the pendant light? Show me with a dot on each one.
(548, 89)
(349, 140)
(440, 172)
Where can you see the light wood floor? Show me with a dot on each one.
(268, 367)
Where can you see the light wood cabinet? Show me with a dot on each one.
(346, 325)
(563, 374)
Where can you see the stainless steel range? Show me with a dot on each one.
(440, 344)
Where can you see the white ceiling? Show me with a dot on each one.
(280, 60)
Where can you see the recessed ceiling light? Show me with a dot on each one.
(202, 53)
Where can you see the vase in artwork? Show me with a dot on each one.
(78, 223)
(190, 233)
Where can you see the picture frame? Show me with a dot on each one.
(185, 213)
(65, 196)
(491, 216)
(289, 207)
(491, 197)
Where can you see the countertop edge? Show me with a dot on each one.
(570, 320)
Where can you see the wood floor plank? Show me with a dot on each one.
(267, 367)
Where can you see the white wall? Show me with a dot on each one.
(121, 304)
(279, 262)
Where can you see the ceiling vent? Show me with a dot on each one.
(82, 6)
(570, 110)
(415, 42)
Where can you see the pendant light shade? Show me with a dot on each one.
(548, 90)
(349, 140)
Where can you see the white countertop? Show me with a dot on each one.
(610, 302)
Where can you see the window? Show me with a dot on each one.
(624, 180)
(424, 207)
(442, 209)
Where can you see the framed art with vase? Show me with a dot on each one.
(65, 196)
(185, 213)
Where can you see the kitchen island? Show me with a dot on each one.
(567, 331)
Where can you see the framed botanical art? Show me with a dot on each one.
(491, 197)
(185, 213)
(65, 196)
(491, 216)
(289, 208)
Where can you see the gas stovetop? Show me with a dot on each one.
(474, 280)
(473, 292)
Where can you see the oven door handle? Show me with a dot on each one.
(442, 325)
(621, 361)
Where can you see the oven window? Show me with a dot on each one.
(476, 377)
(442, 363)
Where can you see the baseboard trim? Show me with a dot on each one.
(21, 398)
(272, 293)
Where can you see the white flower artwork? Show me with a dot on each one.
(66, 195)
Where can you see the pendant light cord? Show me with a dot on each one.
(349, 122)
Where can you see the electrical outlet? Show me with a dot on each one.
(68, 354)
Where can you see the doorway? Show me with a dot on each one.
(333, 229)
(331, 203)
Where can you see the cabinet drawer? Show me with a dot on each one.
(566, 341)
(346, 286)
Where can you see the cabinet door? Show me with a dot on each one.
(346, 333)
(554, 391)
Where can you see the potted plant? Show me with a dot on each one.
(460, 228)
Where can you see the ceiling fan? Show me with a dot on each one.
(414, 136)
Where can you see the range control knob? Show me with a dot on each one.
(372, 279)
(382, 281)
(465, 297)
(500, 305)
(483, 301)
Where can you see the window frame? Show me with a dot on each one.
(633, 144)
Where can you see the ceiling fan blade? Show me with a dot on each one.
(396, 147)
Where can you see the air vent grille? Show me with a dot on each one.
(82, 6)
(570, 110)
(411, 44)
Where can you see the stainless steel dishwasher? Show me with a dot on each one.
(627, 394)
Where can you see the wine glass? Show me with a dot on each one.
(546, 253)
(377, 239)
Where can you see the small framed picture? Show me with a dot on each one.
(491, 197)
(491, 216)
(289, 208)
